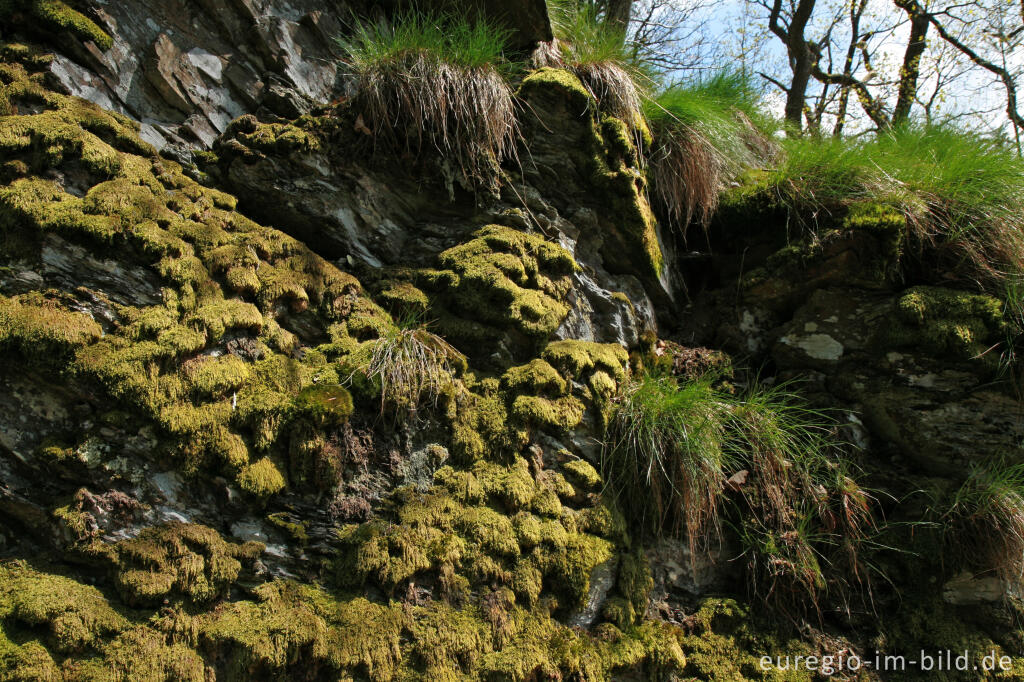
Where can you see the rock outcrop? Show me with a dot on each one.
(209, 471)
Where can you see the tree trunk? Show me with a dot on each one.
(911, 71)
(617, 15)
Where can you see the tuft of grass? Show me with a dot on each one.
(961, 192)
(667, 448)
(598, 55)
(985, 522)
(804, 508)
(411, 366)
(435, 80)
(706, 133)
(677, 451)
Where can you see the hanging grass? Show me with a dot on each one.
(667, 449)
(985, 522)
(435, 81)
(804, 512)
(410, 367)
(961, 193)
(682, 456)
(598, 55)
(706, 133)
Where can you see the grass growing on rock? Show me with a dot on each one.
(763, 461)
(960, 192)
(985, 521)
(666, 446)
(435, 80)
(706, 133)
(597, 54)
(410, 366)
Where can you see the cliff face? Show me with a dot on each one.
(210, 468)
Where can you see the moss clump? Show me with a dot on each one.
(140, 653)
(325, 405)
(56, 16)
(562, 414)
(180, 559)
(278, 139)
(261, 479)
(403, 299)
(582, 474)
(43, 330)
(508, 279)
(537, 377)
(220, 316)
(279, 634)
(945, 322)
(214, 377)
(578, 358)
(479, 423)
(547, 81)
(297, 531)
(75, 617)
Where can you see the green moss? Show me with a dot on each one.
(447, 642)
(562, 414)
(619, 611)
(42, 329)
(28, 662)
(634, 581)
(507, 278)
(188, 560)
(75, 617)
(142, 654)
(479, 425)
(261, 479)
(296, 531)
(537, 378)
(577, 359)
(945, 322)
(279, 139)
(548, 82)
(214, 377)
(404, 300)
(266, 639)
(582, 474)
(570, 567)
(325, 405)
(219, 316)
(55, 15)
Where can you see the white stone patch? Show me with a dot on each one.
(151, 135)
(748, 323)
(207, 63)
(249, 529)
(817, 346)
(924, 381)
(811, 327)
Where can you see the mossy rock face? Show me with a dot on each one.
(945, 322)
(54, 16)
(606, 167)
(503, 279)
(227, 288)
(865, 249)
(184, 560)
